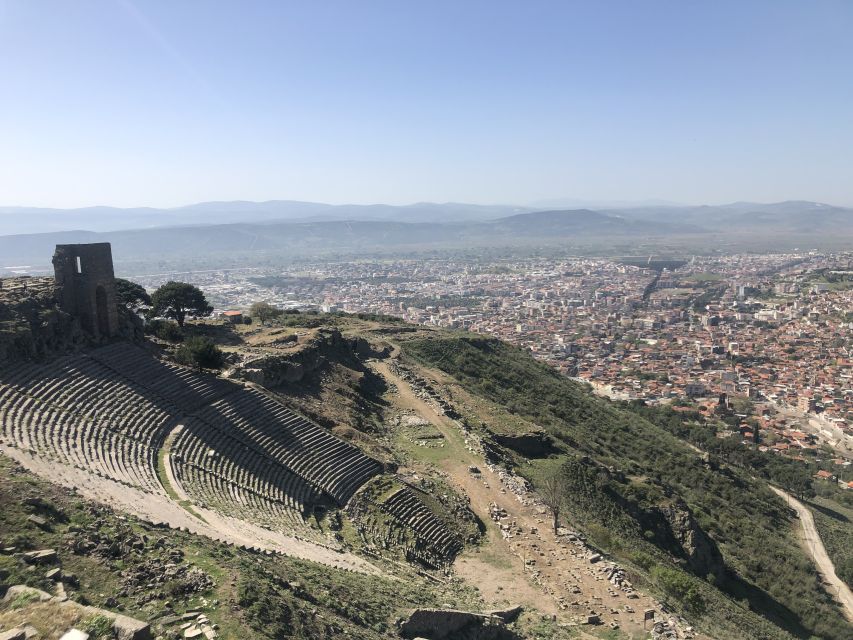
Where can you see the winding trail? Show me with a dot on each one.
(534, 568)
(815, 547)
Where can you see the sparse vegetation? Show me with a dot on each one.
(553, 490)
(764, 561)
(272, 597)
(264, 312)
(200, 352)
(99, 627)
(834, 523)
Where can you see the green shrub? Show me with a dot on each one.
(200, 352)
(98, 627)
(680, 586)
(10, 571)
(165, 330)
(643, 560)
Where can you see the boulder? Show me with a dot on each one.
(438, 624)
(507, 615)
(127, 628)
(41, 556)
(22, 590)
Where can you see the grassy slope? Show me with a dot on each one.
(749, 523)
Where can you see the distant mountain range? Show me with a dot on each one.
(322, 236)
(298, 228)
(793, 216)
(17, 220)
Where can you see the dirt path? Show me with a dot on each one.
(528, 565)
(160, 508)
(814, 545)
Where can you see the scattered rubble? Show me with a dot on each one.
(124, 627)
(199, 627)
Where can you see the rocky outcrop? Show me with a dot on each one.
(31, 322)
(124, 627)
(699, 550)
(652, 509)
(534, 444)
(34, 326)
(437, 624)
(364, 349)
(273, 370)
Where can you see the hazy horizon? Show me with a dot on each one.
(554, 203)
(161, 104)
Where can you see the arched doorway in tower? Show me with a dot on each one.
(103, 315)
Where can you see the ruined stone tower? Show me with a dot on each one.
(86, 286)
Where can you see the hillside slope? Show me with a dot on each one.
(466, 429)
(626, 473)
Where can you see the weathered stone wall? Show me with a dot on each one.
(438, 624)
(86, 286)
(43, 317)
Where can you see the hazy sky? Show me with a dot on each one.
(149, 102)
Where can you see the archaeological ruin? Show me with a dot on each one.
(75, 392)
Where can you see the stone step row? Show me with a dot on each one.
(110, 411)
(305, 448)
(404, 505)
(90, 391)
(181, 386)
(227, 458)
(61, 436)
(211, 490)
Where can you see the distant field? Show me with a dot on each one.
(704, 277)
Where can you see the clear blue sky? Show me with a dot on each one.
(167, 102)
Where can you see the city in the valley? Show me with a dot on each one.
(769, 334)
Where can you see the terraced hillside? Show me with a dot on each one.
(233, 449)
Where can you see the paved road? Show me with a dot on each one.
(819, 555)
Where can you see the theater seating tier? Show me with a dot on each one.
(233, 449)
